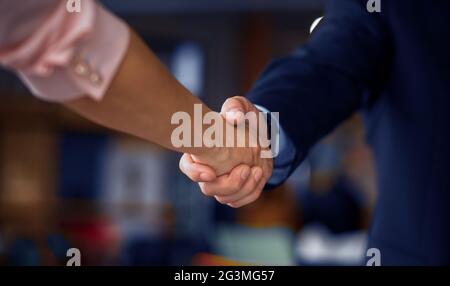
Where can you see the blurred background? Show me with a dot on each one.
(65, 182)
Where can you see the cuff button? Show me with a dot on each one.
(82, 68)
(95, 78)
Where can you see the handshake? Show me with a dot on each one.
(236, 175)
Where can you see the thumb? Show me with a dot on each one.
(195, 171)
(233, 110)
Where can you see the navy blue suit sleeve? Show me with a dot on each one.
(323, 82)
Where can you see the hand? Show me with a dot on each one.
(244, 184)
(223, 159)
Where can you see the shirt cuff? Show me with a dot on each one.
(282, 163)
(93, 61)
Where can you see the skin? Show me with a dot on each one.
(141, 100)
(231, 189)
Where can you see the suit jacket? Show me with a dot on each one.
(395, 67)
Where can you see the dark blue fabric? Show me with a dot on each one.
(395, 67)
(80, 160)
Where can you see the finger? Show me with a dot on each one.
(267, 168)
(251, 197)
(195, 171)
(227, 184)
(233, 109)
(247, 188)
(235, 103)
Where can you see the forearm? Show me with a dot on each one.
(106, 74)
(141, 99)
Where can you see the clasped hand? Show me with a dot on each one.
(234, 176)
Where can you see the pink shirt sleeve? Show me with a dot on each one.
(60, 55)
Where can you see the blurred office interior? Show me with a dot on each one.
(65, 182)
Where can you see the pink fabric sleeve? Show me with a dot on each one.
(62, 56)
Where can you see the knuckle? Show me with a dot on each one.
(238, 97)
(236, 100)
(228, 104)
